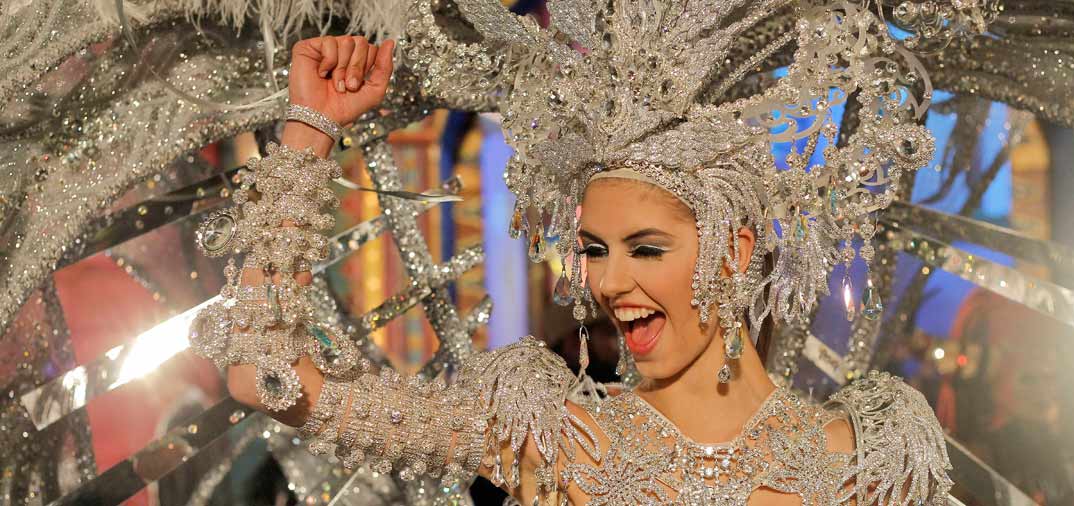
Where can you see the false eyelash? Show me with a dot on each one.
(647, 252)
(592, 250)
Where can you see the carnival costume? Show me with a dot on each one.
(663, 92)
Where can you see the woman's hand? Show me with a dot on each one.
(242, 379)
(341, 77)
(241, 385)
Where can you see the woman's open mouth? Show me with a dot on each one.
(641, 327)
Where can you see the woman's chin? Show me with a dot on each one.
(652, 368)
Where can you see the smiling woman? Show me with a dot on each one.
(639, 258)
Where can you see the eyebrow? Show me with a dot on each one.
(645, 232)
(589, 235)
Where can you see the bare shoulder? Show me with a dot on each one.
(840, 435)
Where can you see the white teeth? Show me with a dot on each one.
(631, 314)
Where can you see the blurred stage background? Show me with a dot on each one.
(995, 367)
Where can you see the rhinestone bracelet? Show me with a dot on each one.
(271, 324)
(323, 411)
(316, 120)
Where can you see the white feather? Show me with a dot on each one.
(284, 18)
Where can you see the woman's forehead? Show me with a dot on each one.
(618, 200)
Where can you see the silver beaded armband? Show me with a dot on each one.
(272, 324)
(316, 120)
(405, 424)
(333, 393)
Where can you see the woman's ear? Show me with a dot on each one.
(747, 240)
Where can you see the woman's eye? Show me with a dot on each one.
(594, 251)
(647, 252)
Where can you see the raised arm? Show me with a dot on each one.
(339, 78)
(509, 405)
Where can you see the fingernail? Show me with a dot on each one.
(352, 82)
(339, 86)
(324, 73)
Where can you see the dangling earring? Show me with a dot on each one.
(580, 314)
(732, 349)
(625, 369)
(732, 327)
(621, 365)
(583, 350)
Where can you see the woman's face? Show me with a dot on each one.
(641, 246)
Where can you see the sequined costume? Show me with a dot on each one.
(88, 142)
(520, 393)
(647, 100)
(518, 397)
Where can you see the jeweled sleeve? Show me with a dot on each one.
(501, 399)
(267, 319)
(901, 457)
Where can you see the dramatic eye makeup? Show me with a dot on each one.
(646, 243)
(593, 250)
(592, 246)
(647, 251)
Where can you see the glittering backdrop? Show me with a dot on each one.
(94, 118)
(109, 155)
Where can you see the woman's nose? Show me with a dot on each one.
(615, 280)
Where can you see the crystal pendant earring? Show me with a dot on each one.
(624, 368)
(732, 349)
(621, 365)
(730, 325)
(580, 314)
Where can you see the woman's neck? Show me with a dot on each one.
(703, 409)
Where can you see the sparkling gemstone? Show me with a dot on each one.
(770, 237)
(905, 12)
(583, 353)
(871, 305)
(801, 227)
(562, 294)
(537, 247)
(848, 299)
(579, 312)
(908, 147)
(272, 295)
(272, 383)
(724, 375)
(518, 224)
(321, 335)
(331, 355)
(733, 346)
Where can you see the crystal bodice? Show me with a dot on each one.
(783, 446)
(625, 453)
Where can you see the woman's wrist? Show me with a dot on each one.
(298, 136)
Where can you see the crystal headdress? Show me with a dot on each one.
(672, 90)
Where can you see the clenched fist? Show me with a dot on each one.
(342, 77)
